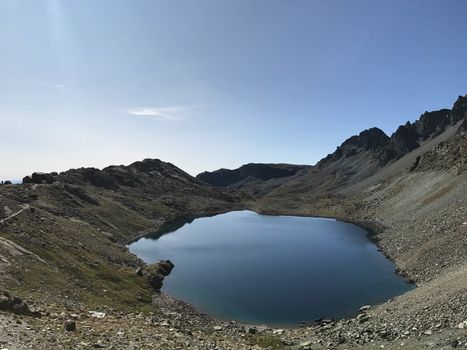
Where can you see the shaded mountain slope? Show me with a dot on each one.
(248, 174)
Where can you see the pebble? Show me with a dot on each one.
(70, 325)
(97, 314)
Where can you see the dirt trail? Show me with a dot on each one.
(23, 208)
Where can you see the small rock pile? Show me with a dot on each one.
(15, 305)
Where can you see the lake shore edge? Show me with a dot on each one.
(171, 227)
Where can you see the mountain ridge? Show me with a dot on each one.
(251, 171)
(360, 156)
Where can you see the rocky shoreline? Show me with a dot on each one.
(369, 326)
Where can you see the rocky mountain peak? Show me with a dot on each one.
(148, 165)
(406, 138)
(373, 140)
(459, 108)
(369, 139)
(114, 176)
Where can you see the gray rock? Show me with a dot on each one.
(361, 318)
(306, 345)
(69, 325)
(15, 305)
(7, 211)
(155, 273)
(365, 308)
(250, 330)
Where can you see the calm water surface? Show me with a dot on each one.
(278, 270)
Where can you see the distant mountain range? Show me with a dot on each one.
(249, 172)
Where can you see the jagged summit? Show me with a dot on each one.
(357, 158)
(373, 140)
(406, 138)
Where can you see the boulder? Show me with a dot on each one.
(7, 210)
(165, 267)
(155, 273)
(69, 325)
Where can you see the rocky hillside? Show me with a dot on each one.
(367, 158)
(406, 138)
(64, 234)
(150, 190)
(358, 158)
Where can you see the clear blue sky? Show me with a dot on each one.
(213, 83)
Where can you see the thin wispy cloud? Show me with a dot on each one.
(51, 86)
(164, 113)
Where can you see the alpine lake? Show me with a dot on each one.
(275, 270)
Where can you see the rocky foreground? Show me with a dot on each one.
(67, 280)
(98, 297)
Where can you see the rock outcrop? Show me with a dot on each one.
(155, 273)
(41, 178)
(373, 140)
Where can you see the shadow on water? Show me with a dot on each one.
(170, 227)
(176, 225)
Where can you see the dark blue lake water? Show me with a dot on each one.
(278, 270)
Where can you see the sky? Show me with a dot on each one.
(214, 84)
